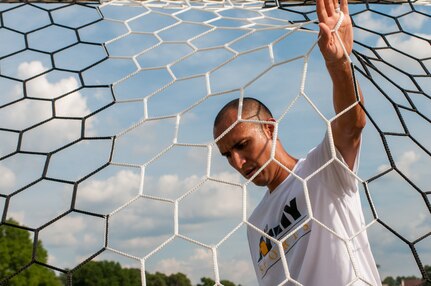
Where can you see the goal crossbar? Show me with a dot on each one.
(298, 2)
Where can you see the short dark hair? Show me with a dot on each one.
(251, 107)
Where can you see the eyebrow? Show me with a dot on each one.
(233, 147)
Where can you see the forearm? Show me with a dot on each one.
(353, 120)
(348, 126)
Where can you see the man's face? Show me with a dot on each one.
(247, 147)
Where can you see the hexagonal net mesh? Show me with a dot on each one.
(107, 149)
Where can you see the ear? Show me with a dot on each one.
(268, 128)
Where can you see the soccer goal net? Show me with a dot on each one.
(107, 150)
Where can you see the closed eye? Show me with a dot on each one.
(241, 145)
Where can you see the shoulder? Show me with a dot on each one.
(330, 170)
(314, 159)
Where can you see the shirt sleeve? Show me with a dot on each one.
(336, 170)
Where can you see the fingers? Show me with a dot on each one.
(330, 7)
(327, 8)
(321, 11)
(344, 7)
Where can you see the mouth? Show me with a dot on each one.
(249, 173)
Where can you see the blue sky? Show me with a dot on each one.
(162, 67)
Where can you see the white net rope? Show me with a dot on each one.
(108, 109)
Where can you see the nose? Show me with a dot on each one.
(237, 160)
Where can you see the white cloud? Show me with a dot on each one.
(51, 135)
(172, 265)
(413, 21)
(235, 270)
(421, 225)
(64, 232)
(170, 183)
(28, 69)
(197, 156)
(40, 87)
(372, 23)
(7, 178)
(399, 60)
(201, 255)
(243, 69)
(405, 164)
(17, 216)
(26, 113)
(411, 45)
(52, 259)
(73, 105)
(145, 242)
(146, 224)
(89, 239)
(399, 9)
(195, 266)
(112, 190)
(238, 271)
(154, 219)
(215, 200)
(416, 24)
(72, 239)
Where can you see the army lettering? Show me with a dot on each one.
(269, 252)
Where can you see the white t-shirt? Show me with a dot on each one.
(315, 256)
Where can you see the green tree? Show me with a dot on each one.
(209, 282)
(205, 281)
(228, 283)
(157, 279)
(132, 275)
(160, 279)
(105, 273)
(16, 248)
(428, 272)
(179, 279)
(390, 281)
(397, 281)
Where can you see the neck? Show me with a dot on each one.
(285, 163)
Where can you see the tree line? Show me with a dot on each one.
(110, 273)
(397, 281)
(16, 249)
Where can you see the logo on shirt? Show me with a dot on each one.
(269, 253)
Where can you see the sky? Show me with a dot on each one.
(170, 74)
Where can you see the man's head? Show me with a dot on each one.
(247, 146)
(251, 109)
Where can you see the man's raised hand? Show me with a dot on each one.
(330, 47)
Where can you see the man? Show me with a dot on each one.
(324, 243)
